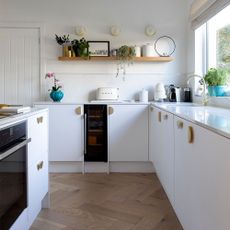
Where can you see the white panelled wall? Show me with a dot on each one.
(19, 65)
(81, 79)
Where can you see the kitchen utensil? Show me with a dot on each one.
(143, 96)
(107, 93)
(159, 92)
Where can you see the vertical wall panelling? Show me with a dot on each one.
(19, 65)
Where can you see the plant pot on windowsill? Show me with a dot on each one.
(216, 79)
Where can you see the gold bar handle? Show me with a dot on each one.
(78, 110)
(111, 110)
(39, 119)
(159, 116)
(40, 165)
(180, 124)
(190, 135)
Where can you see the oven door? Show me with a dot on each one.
(13, 183)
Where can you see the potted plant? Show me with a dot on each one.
(56, 94)
(125, 56)
(216, 79)
(81, 47)
(66, 45)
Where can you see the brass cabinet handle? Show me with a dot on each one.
(159, 116)
(151, 108)
(165, 117)
(111, 110)
(78, 110)
(190, 135)
(180, 124)
(39, 119)
(40, 165)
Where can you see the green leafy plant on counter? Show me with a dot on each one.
(125, 56)
(216, 77)
(81, 47)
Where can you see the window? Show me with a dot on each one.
(212, 43)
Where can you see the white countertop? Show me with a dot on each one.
(19, 117)
(122, 102)
(213, 118)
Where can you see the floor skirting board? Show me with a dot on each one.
(95, 167)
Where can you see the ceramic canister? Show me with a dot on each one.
(148, 50)
(137, 51)
(143, 95)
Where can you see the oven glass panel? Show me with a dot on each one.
(13, 188)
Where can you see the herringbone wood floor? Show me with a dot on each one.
(118, 201)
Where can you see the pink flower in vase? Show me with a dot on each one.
(56, 85)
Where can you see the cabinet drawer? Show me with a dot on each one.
(37, 186)
(38, 132)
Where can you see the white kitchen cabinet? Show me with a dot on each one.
(161, 143)
(202, 168)
(65, 132)
(37, 163)
(128, 132)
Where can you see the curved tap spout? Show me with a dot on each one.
(204, 95)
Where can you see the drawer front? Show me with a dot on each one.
(38, 132)
(37, 187)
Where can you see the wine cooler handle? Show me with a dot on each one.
(85, 131)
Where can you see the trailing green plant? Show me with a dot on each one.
(62, 39)
(216, 76)
(80, 47)
(125, 53)
(125, 56)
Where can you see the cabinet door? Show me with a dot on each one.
(202, 187)
(162, 148)
(38, 132)
(65, 132)
(128, 132)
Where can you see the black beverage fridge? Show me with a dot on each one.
(95, 131)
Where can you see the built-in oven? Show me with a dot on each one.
(13, 173)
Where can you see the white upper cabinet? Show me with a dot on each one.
(128, 132)
(65, 132)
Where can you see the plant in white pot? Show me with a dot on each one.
(217, 79)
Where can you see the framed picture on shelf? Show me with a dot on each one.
(99, 48)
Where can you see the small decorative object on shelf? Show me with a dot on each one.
(56, 94)
(80, 47)
(67, 50)
(125, 55)
(99, 48)
(165, 46)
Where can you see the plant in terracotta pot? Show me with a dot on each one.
(56, 94)
(217, 79)
(81, 47)
(125, 56)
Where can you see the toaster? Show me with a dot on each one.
(107, 93)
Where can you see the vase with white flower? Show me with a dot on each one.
(56, 94)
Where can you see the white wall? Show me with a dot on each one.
(81, 79)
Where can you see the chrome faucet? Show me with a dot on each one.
(204, 95)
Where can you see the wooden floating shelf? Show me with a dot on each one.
(135, 59)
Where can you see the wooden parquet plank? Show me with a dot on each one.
(118, 201)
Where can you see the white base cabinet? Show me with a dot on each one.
(128, 132)
(37, 164)
(65, 131)
(202, 168)
(161, 147)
